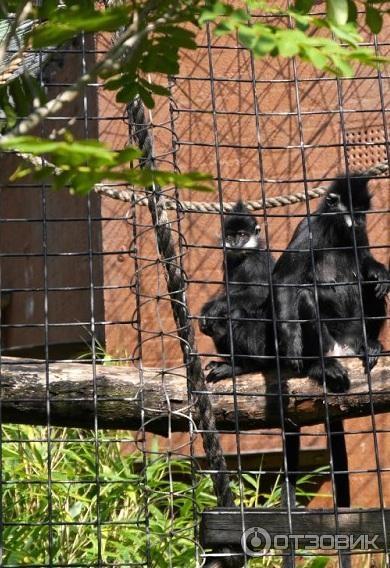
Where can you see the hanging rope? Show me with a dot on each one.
(206, 207)
(176, 287)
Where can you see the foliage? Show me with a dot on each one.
(80, 164)
(150, 36)
(129, 493)
(301, 38)
(17, 96)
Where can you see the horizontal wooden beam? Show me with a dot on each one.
(224, 527)
(73, 394)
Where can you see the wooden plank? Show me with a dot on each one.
(221, 527)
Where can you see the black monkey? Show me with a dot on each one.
(337, 268)
(248, 266)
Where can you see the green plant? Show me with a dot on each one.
(97, 349)
(72, 498)
(150, 36)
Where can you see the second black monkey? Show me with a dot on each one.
(248, 269)
(335, 257)
(319, 275)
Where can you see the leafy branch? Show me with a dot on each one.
(82, 164)
(150, 35)
(141, 48)
(301, 39)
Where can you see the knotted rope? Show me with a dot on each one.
(176, 285)
(129, 195)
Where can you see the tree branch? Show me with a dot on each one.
(71, 388)
(125, 43)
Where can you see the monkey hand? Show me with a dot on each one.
(296, 365)
(213, 315)
(218, 371)
(370, 355)
(381, 275)
(336, 376)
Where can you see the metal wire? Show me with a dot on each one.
(85, 278)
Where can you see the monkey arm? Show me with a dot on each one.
(289, 332)
(372, 269)
(213, 316)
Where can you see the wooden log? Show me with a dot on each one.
(221, 526)
(72, 396)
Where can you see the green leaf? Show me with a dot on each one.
(20, 97)
(20, 172)
(156, 89)
(211, 13)
(319, 562)
(80, 164)
(337, 11)
(8, 109)
(290, 41)
(257, 37)
(374, 19)
(347, 33)
(146, 97)
(352, 11)
(47, 9)
(287, 46)
(68, 22)
(127, 93)
(224, 27)
(128, 154)
(181, 37)
(76, 508)
(318, 59)
(304, 6)
(342, 67)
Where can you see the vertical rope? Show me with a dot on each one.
(176, 288)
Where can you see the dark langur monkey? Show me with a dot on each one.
(337, 270)
(330, 260)
(248, 268)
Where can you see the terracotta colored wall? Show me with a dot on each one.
(295, 106)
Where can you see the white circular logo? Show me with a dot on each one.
(256, 541)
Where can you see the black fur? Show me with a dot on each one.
(331, 229)
(248, 272)
(336, 273)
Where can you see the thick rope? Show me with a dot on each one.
(176, 287)
(129, 195)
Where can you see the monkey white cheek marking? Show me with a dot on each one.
(252, 243)
(347, 218)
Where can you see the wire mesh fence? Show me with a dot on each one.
(95, 355)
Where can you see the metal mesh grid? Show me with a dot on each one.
(89, 272)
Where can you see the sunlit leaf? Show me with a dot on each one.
(67, 22)
(337, 11)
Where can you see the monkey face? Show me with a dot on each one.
(240, 241)
(343, 217)
(240, 231)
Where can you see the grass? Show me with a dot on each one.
(101, 505)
